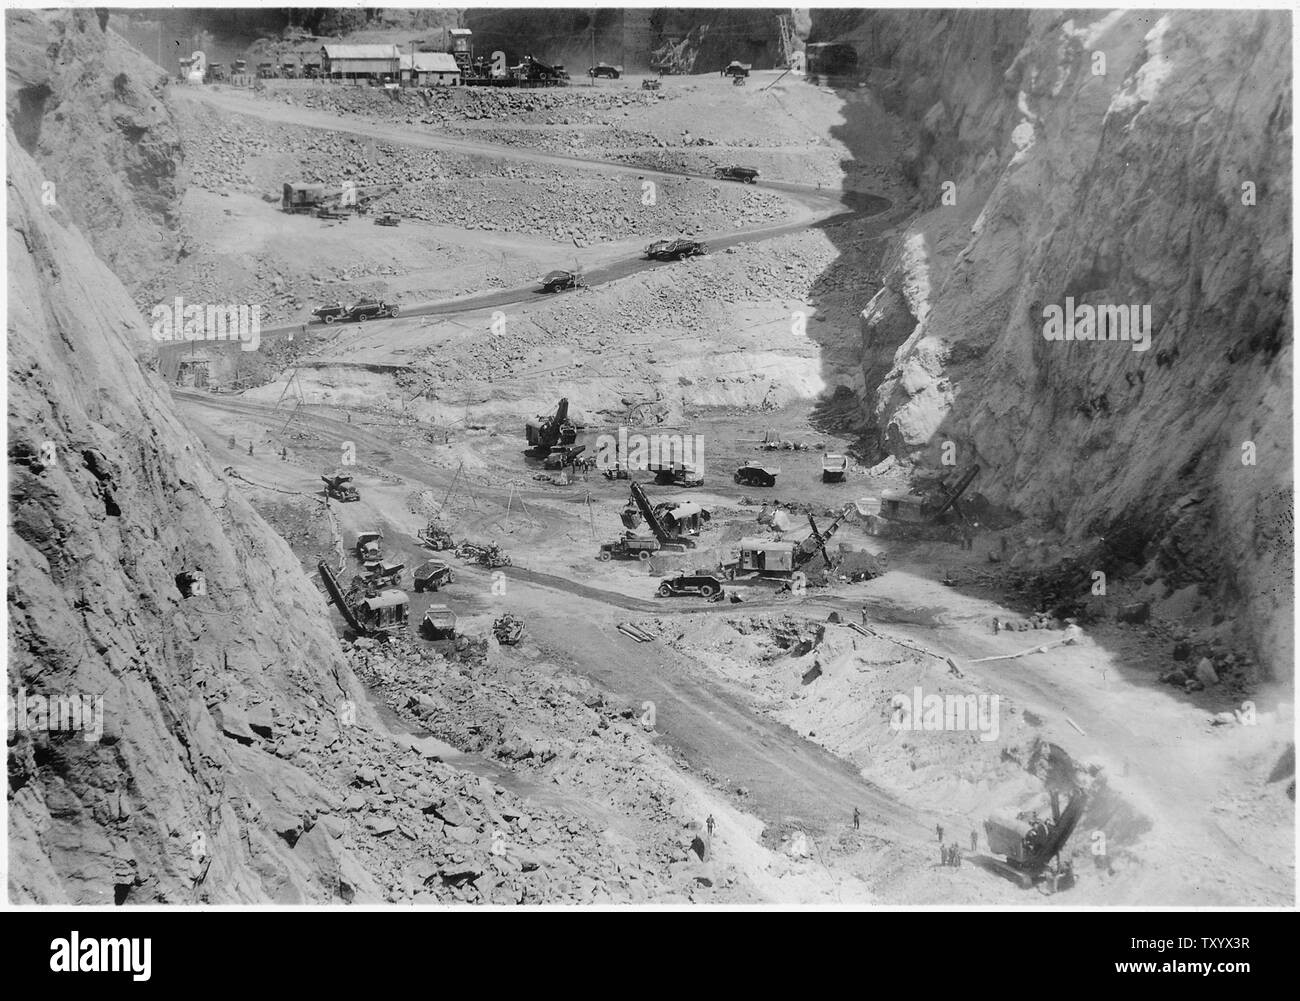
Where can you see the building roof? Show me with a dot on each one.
(431, 62)
(361, 51)
(386, 599)
(459, 31)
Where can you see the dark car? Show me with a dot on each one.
(558, 281)
(675, 250)
(605, 70)
(736, 68)
(365, 309)
(747, 175)
(650, 84)
(704, 584)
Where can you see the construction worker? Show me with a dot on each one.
(864, 615)
(956, 855)
(939, 831)
(974, 841)
(710, 825)
(857, 817)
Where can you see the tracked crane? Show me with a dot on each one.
(950, 499)
(544, 433)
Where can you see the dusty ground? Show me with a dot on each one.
(744, 728)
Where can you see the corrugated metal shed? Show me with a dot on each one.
(431, 62)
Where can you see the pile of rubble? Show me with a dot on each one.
(437, 106)
(470, 192)
(550, 730)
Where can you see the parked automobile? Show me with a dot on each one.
(605, 70)
(388, 219)
(558, 281)
(675, 250)
(650, 83)
(736, 68)
(746, 175)
(433, 575)
(704, 584)
(364, 309)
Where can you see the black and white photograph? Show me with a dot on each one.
(650, 458)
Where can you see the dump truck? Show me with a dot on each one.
(676, 474)
(432, 575)
(754, 474)
(383, 576)
(834, 467)
(370, 548)
(630, 547)
(439, 623)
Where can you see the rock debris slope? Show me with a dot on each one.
(1128, 186)
(179, 800)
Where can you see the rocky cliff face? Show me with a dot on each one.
(1126, 158)
(165, 786)
(90, 110)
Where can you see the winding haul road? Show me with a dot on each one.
(791, 781)
(815, 206)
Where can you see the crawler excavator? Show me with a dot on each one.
(545, 433)
(666, 526)
(1031, 848)
(371, 612)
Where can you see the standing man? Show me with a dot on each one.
(710, 825)
(974, 841)
(857, 817)
(864, 615)
(939, 831)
